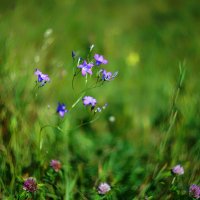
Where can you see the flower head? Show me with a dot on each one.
(103, 188)
(177, 170)
(56, 165)
(100, 59)
(61, 109)
(86, 68)
(108, 76)
(42, 78)
(30, 184)
(194, 191)
(87, 101)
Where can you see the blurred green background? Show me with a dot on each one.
(145, 41)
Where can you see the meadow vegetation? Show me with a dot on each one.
(145, 142)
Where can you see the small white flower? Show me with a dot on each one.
(112, 119)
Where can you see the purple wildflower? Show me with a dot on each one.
(30, 184)
(86, 68)
(103, 188)
(108, 76)
(100, 59)
(42, 78)
(56, 165)
(87, 100)
(177, 170)
(61, 109)
(194, 191)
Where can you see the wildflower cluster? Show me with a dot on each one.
(92, 70)
(30, 184)
(91, 67)
(194, 190)
(88, 68)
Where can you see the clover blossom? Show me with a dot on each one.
(88, 100)
(42, 78)
(194, 191)
(100, 59)
(30, 184)
(108, 76)
(56, 165)
(103, 188)
(86, 68)
(61, 109)
(177, 170)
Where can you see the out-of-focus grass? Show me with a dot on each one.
(145, 42)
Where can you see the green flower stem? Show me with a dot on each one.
(40, 134)
(173, 180)
(76, 102)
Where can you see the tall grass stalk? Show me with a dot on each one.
(173, 111)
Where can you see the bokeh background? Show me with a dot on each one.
(146, 42)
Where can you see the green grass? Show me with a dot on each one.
(156, 112)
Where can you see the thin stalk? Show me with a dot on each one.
(76, 102)
(40, 134)
(173, 111)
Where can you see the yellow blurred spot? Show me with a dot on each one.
(133, 58)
